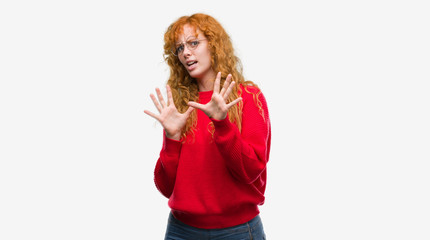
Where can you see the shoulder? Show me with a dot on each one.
(249, 91)
(254, 105)
(253, 99)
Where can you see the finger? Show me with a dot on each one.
(157, 105)
(196, 105)
(188, 112)
(230, 88)
(151, 114)
(217, 81)
(160, 97)
(234, 102)
(226, 85)
(169, 96)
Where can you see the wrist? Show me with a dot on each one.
(219, 117)
(176, 136)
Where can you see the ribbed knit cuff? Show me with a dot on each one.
(171, 146)
(222, 127)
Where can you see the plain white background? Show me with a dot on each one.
(347, 83)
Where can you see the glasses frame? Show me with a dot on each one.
(188, 45)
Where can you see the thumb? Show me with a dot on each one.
(196, 105)
(188, 112)
(234, 102)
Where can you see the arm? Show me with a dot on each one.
(246, 153)
(172, 122)
(165, 169)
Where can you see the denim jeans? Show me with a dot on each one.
(252, 230)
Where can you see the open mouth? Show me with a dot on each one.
(191, 63)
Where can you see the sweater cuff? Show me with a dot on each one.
(171, 146)
(222, 126)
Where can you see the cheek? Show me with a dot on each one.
(206, 56)
(182, 60)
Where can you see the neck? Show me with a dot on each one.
(206, 83)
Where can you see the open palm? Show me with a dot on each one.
(169, 117)
(217, 107)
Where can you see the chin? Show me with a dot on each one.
(194, 74)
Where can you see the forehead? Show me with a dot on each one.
(186, 32)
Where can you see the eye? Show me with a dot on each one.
(180, 48)
(194, 43)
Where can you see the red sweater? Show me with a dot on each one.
(217, 181)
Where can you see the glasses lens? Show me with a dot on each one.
(192, 44)
(178, 49)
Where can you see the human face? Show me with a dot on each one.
(197, 61)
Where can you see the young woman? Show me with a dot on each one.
(216, 143)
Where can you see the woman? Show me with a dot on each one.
(216, 143)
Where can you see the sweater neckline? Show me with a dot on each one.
(205, 95)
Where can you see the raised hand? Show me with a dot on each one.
(169, 117)
(217, 107)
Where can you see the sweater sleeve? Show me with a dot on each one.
(247, 152)
(166, 166)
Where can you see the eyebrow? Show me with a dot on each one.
(187, 39)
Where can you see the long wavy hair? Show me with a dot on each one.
(223, 59)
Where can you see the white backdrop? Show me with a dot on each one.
(347, 88)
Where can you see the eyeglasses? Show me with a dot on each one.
(191, 45)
